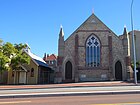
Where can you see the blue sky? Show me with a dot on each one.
(37, 22)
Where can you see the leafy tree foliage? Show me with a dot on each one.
(3, 62)
(12, 56)
(19, 57)
(8, 49)
(3, 59)
(137, 64)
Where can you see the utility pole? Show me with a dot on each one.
(133, 44)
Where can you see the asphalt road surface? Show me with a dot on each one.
(127, 99)
(72, 90)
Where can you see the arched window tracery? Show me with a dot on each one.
(92, 51)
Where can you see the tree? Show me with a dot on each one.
(12, 56)
(137, 64)
(3, 64)
(1, 45)
(3, 61)
(19, 58)
(8, 49)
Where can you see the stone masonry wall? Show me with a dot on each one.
(93, 26)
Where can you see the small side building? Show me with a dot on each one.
(37, 72)
(51, 60)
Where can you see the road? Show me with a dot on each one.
(129, 99)
(65, 91)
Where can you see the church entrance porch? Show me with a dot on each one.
(118, 71)
(22, 77)
(68, 72)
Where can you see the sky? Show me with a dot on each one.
(37, 22)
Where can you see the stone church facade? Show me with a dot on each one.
(93, 53)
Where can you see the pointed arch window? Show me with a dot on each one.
(92, 51)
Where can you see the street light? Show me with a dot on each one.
(133, 45)
(0, 71)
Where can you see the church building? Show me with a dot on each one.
(93, 52)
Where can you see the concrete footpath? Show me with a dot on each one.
(69, 89)
(82, 84)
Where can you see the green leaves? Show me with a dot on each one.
(3, 62)
(12, 56)
(137, 64)
(8, 49)
(19, 57)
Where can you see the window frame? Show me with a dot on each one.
(32, 72)
(93, 45)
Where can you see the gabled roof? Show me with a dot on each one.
(38, 60)
(51, 57)
(40, 63)
(35, 57)
(92, 20)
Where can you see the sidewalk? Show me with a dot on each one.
(69, 89)
(83, 84)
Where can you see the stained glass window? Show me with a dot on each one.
(93, 51)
